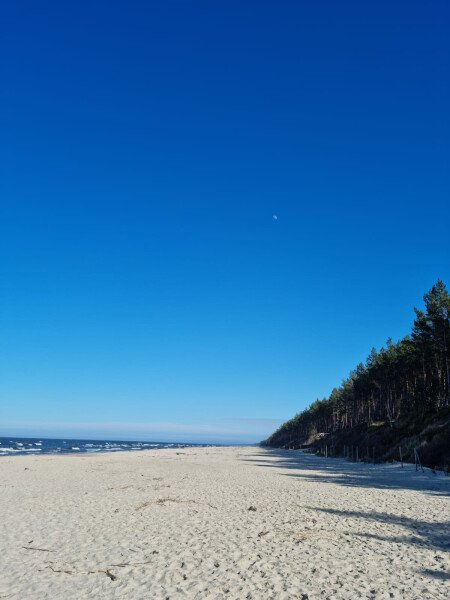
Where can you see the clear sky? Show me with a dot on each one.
(146, 290)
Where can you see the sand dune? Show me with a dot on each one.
(220, 523)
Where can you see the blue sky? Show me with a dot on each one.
(146, 289)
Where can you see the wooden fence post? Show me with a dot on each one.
(417, 460)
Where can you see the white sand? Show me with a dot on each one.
(175, 524)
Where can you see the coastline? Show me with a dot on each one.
(24, 446)
(176, 523)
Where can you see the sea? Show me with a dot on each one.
(16, 446)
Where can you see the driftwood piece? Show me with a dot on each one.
(107, 572)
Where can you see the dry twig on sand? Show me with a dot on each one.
(107, 572)
(163, 501)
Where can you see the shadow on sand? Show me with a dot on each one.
(389, 476)
(309, 467)
(435, 536)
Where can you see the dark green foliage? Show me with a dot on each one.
(405, 382)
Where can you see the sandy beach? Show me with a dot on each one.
(220, 523)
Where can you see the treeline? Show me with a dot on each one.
(407, 379)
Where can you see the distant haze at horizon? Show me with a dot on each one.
(211, 213)
(238, 431)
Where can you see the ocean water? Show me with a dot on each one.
(16, 446)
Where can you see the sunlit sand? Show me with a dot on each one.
(220, 523)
